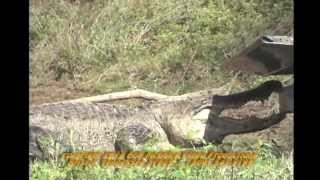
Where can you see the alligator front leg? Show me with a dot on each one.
(174, 137)
(43, 143)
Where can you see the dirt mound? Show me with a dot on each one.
(279, 135)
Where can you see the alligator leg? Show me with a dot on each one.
(174, 137)
(35, 147)
(40, 140)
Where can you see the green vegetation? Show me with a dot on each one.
(171, 46)
(267, 166)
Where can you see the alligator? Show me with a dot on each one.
(85, 126)
(88, 126)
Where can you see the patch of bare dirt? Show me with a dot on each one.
(280, 135)
(53, 92)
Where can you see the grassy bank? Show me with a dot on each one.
(267, 166)
(168, 46)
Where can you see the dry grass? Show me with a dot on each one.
(172, 47)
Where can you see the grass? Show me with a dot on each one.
(170, 47)
(267, 166)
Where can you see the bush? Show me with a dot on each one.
(169, 46)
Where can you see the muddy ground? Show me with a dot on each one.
(54, 92)
(279, 136)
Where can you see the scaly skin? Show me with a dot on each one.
(89, 126)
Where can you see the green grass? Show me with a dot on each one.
(171, 47)
(267, 166)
